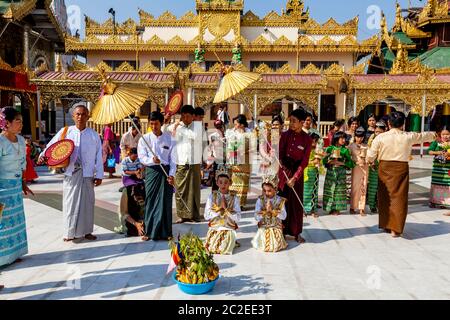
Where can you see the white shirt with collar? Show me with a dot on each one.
(129, 140)
(189, 144)
(163, 148)
(88, 146)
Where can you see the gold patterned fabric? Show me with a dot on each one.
(269, 237)
(221, 237)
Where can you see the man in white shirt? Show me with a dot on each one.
(188, 157)
(83, 173)
(158, 188)
(393, 150)
(130, 140)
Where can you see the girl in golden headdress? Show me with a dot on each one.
(223, 213)
(270, 212)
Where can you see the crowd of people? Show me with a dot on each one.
(361, 168)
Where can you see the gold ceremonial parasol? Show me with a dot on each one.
(233, 82)
(117, 102)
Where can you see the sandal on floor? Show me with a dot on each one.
(145, 238)
(90, 237)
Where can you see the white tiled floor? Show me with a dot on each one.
(345, 257)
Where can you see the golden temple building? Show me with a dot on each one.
(302, 62)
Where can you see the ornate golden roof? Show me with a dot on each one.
(18, 11)
(167, 19)
(436, 11)
(402, 25)
(260, 44)
(222, 5)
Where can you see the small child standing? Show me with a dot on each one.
(440, 181)
(336, 161)
(360, 173)
(311, 180)
(270, 211)
(223, 213)
(372, 188)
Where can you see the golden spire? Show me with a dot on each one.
(398, 19)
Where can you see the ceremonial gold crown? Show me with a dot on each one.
(271, 180)
(222, 170)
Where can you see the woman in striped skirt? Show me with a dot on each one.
(440, 181)
(13, 235)
(373, 171)
(311, 180)
(337, 160)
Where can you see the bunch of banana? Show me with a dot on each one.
(197, 266)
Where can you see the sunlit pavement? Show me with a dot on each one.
(345, 257)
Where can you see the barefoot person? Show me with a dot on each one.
(13, 235)
(295, 147)
(393, 151)
(85, 171)
(188, 157)
(158, 188)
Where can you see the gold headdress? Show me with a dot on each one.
(222, 170)
(271, 180)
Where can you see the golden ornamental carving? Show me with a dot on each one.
(286, 69)
(196, 68)
(195, 41)
(220, 25)
(149, 67)
(19, 68)
(171, 67)
(331, 27)
(326, 41)
(145, 18)
(348, 41)
(167, 16)
(263, 68)
(334, 69)
(167, 19)
(310, 69)
(125, 67)
(305, 41)
(103, 66)
(155, 40)
(240, 67)
(107, 27)
(80, 66)
(249, 17)
(283, 41)
(18, 11)
(177, 40)
(434, 11)
(358, 69)
(204, 97)
(217, 67)
(220, 42)
(261, 41)
(222, 5)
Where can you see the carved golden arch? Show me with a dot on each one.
(413, 98)
(308, 97)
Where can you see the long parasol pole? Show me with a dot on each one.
(282, 169)
(160, 164)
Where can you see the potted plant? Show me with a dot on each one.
(196, 272)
